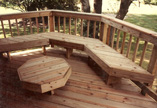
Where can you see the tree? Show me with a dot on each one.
(124, 6)
(33, 5)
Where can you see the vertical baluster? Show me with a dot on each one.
(30, 21)
(136, 48)
(81, 27)
(94, 29)
(75, 26)
(117, 43)
(129, 46)
(37, 24)
(113, 35)
(43, 21)
(108, 35)
(123, 43)
(64, 24)
(103, 32)
(24, 26)
(58, 23)
(10, 28)
(17, 28)
(88, 23)
(143, 53)
(70, 25)
(3, 29)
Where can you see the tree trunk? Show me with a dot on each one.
(124, 6)
(85, 5)
(98, 6)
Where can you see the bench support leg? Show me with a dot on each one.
(44, 50)
(112, 80)
(8, 56)
(52, 92)
(68, 52)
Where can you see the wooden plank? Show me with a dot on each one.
(10, 28)
(117, 43)
(147, 90)
(69, 25)
(129, 46)
(37, 24)
(143, 53)
(44, 49)
(75, 26)
(94, 29)
(123, 43)
(43, 21)
(88, 25)
(136, 48)
(59, 83)
(103, 33)
(153, 61)
(17, 27)
(30, 21)
(68, 52)
(81, 27)
(108, 35)
(58, 23)
(51, 23)
(24, 26)
(3, 29)
(113, 35)
(64, 24)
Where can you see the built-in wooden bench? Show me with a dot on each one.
(116, 65)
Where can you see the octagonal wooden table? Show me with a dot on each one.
(44, 74)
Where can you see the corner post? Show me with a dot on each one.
(103, 32)
(51, 22)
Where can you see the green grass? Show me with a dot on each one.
(143, 20)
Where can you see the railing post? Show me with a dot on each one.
(103, 32)
(152, 67)
(51, 22)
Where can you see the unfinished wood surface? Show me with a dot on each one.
(143, 53)
(123, 43)
(88, 24)
(24, 26)
(117, 42)
(136, 49)
(103, 33)
(58, 23)
(129, 46)
(68, 52)
(112, 37)
(30, 21)
(75, 26)
(45, 73)
(10, 28)
(37, 24)
(70, 25)
(81, 27)
(94, 29)
(80, 90)
(43, 21)
(17, 27)
(3, 29)
(64, 24)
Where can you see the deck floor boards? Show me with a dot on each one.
(84, 89)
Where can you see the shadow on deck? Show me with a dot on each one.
(84, 89)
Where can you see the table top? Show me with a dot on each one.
(43, 70)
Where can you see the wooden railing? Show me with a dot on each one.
(128, 39)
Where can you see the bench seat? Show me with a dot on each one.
(114, 63)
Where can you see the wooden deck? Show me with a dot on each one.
(84, 89)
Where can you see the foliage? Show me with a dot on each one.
(33, 5)
(153, 2)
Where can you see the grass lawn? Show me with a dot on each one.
(143, 20)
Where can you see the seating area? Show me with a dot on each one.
(106, 57)
(99, 71)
